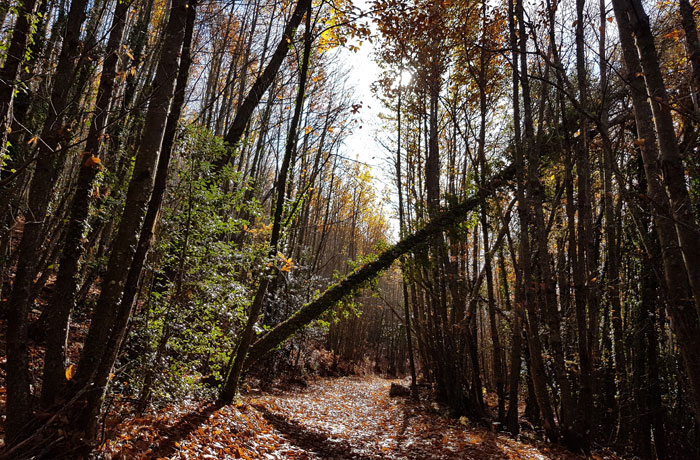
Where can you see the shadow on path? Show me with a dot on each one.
(310, 440)
(175, 434)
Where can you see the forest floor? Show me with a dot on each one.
(349, 418)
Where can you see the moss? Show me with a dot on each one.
(448, 219)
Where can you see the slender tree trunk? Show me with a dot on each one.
(9, 73)
(402, 230)
(691, 39)
(150, 222)
(671, 164)
(495, 338)
(230, 389)
(311, 311)
(263, 82)
(68, 274)
(684, 317)
(515, 362)
(19, 397)
(104, 320)
(612, 258)
(583, 282)
(526, 205)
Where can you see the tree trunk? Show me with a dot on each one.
(684, 317)
(671, 164)
(68, 274)
(402, 231)
(9, 73)
(355, 280)
(230, 389)
(515, 362)
(263, 82)
(105, 316)
(612, 259)
(691, 39)
(527, 187)
(19, 398)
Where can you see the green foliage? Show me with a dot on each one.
(200, 290)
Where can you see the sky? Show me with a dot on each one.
(361, 145)
(363, 71)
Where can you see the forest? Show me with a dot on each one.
(197, 259)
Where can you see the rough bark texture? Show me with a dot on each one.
(67, 280)
(41, 190)
(684, 318)
(137, 198)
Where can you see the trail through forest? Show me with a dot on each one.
(196, 194)
(350, 418)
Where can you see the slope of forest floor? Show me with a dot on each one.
(343, 418)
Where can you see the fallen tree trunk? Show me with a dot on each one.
(314, 309)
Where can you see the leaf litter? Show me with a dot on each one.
(350, 418)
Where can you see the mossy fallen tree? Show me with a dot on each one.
(449, 218)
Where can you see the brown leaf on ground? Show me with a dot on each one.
(351, 418)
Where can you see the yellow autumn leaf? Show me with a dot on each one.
(70, 372)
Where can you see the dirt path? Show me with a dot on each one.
(349, 418)
(354, 418)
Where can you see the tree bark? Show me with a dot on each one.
(691, 39)
(137, 198)
(230, 389)
(68, 275)
(402, 231)
(19, 397)
(528, 193)
(684, 317)
(9, 72)
(674, 177)
(150, 220)
(515, 362)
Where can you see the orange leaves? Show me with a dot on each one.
(70, 372)
(287, 263)
(674, 35)
(334, 418)
(261, 230)
(91, 161)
